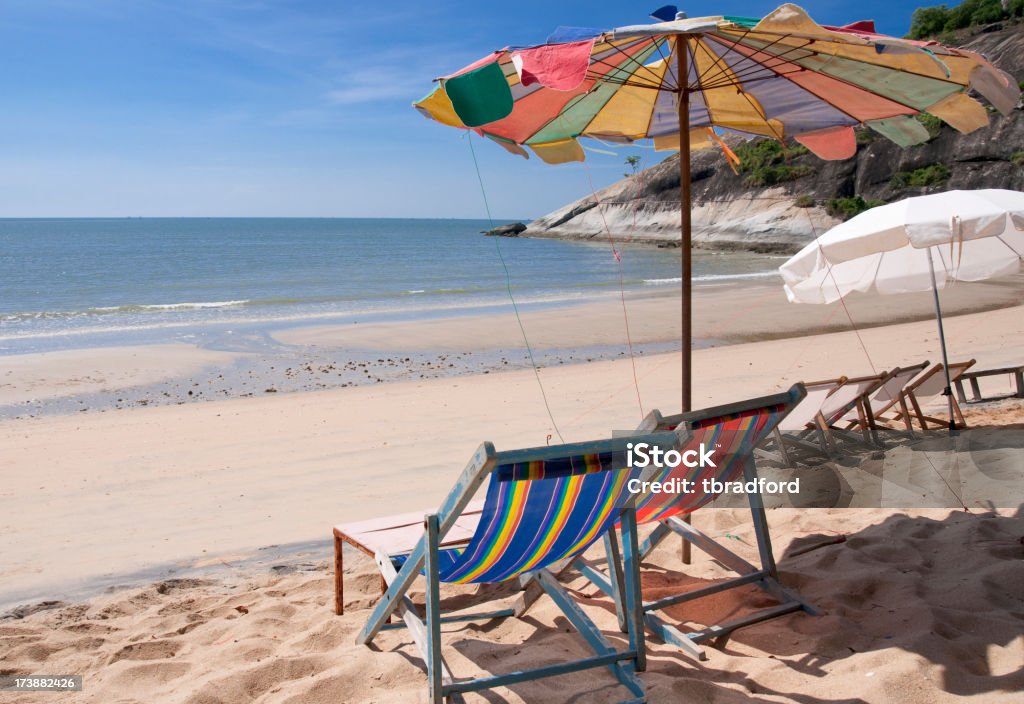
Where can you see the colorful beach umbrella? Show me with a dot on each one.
(783, 76)
(917, 244)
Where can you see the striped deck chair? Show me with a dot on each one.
(734, 430)
(542, 506)
(885, 398)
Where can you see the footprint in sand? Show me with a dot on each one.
(147, 650)
(155, 673)
(249, 684)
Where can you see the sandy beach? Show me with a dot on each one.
(188, 544)
(283, 322)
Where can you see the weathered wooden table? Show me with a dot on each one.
(973, 376)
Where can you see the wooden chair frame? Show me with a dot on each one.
(906, 415)
(778, 446)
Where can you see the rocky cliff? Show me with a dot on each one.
(801, 195)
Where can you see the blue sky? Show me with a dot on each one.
(282, 107)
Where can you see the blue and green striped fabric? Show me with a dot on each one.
(538, 513)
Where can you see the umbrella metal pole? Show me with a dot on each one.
(682, 79)
(948, 392)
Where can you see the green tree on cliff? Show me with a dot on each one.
(929, 22)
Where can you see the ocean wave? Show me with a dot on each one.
(111, 310)
(727, 277)
(251, 317)
(714, 277)
(138, 308)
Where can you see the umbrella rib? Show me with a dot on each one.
(878, 268)
(844, 42)
(816, 95)
(601, 61)
(721, 72)
(571, 104)
(728, 84)
(738, 76)
(669, 68)
(716, 62)
(764, 117)
(598, 112)
(623, 82)
(633, 60)
(662, 55)
(758, 66)
(883, 67)
(751, 75)
(1010, 247)
(603, 78)
(704, 75)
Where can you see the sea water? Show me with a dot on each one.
(69, 283)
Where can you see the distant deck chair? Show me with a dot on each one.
(734, 430)
(804, 420)
(853, 399)
(931, 384)
(543, 506)
(886, 398)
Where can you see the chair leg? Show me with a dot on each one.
(869, 421)
(633, 596)
(615, 577)
(918, 412)
(685, 553)
(435, 673)
(959, 386)
(975, 389)
(905, 414)
(764, 541)
(781, 444)
(828, 443)
(339, 576)
(653, 539)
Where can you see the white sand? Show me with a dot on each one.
(733, 313)
(918, 610)
(30, 377)
(127, 489)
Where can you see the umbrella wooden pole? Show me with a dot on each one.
(942, 343)
(686, 263)
(684, 208)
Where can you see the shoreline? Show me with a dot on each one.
(298, 358)
(237, 469)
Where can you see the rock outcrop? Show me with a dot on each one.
(730, 212)
(513, 229)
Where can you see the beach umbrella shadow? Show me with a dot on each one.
(947, 590)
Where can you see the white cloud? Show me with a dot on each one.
(365, 92)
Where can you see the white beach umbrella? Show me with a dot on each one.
(917, 244)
